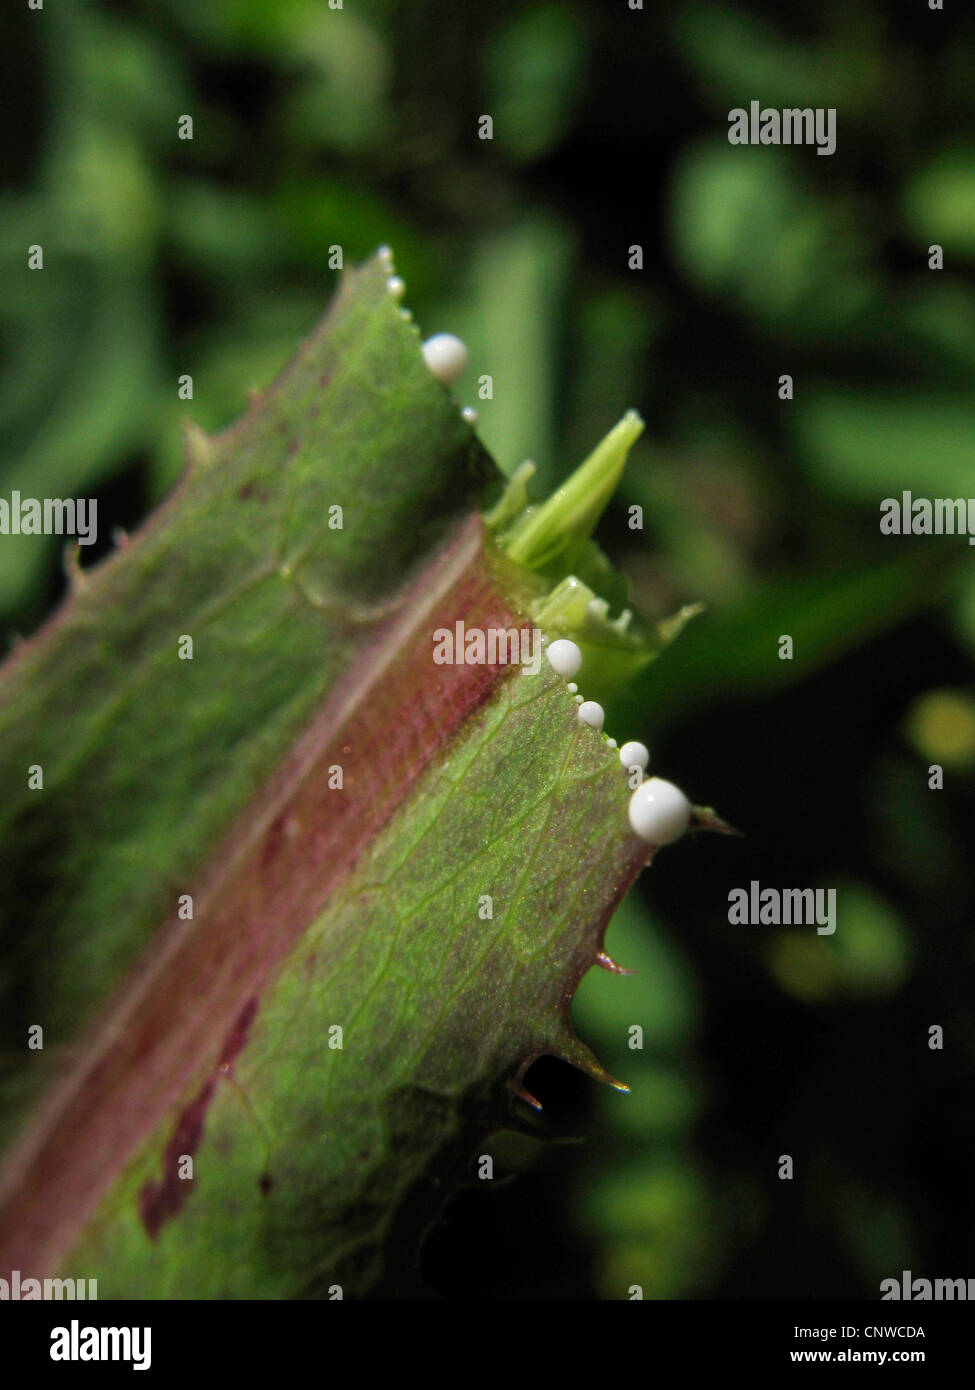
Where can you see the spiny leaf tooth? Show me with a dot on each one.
(71, 565)
(519, 1091)
(197, 447)
(605, 960)
(573, 1050)
(706, 818)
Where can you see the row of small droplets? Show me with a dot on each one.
(659, 812)
(444, 353)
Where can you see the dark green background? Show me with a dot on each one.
(316, 128)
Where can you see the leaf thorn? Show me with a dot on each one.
(604, 959)
(517, 1089)
(706, 818)
(574, 1051)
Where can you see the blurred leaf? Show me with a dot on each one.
(534, 65)
(868, 954)
(311, 217)
(660, 996)
(517, 291)
(941, 725)
(939, 203)
(870, 446)
(92, 408)
(655, 1227)
(735, 52)
(743, 226)
(339, 97)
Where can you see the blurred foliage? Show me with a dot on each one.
(316, 128)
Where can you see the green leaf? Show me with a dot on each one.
(868, 447)
(938, 201)
(423, 856)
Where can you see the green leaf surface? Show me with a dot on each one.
(321, 1165)
(438, 903)
(146, 757)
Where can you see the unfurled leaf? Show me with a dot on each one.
(297, 903)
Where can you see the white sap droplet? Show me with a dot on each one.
(564, 657)
(572, 688)
(578, 699)
(659, 812)
(634, 754)
(446, 356)
(592, 713)
(611, 743)
(396, 286)
(469, 414)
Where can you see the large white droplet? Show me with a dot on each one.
(446, 356)
(592, 713)
(634, 754)
(564, 657)
(659, 812)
